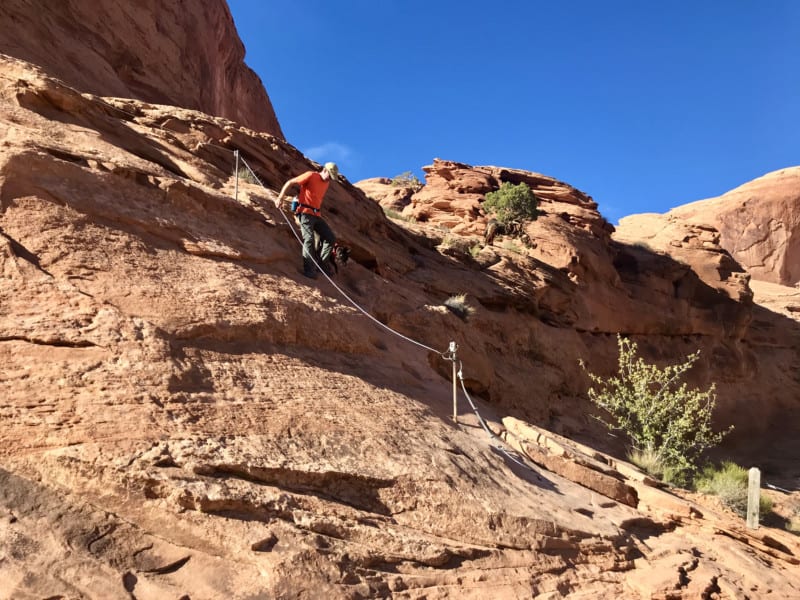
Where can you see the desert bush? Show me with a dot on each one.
(398, 216)
(729, 483)
(652, 463)
(511, 247)
(454, 244)
(458, 305)
(512, 203)
(246, 176)
(658, 413)
(648, 461)
(407, 179)
(448, 241)
(793, 526)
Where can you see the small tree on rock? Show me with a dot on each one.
(512, 203)
(407, 179)
(662, 417)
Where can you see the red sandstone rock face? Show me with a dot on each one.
(758, 223)
(453, 194)
(183, 414)
(390, 196)
(180, 52)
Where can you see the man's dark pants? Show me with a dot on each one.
(308, 225)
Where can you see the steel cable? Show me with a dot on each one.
(333, 283)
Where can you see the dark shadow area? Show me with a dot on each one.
(85, 532)
(644, 527)
(524, 469)
(22, 252)
(357, 491)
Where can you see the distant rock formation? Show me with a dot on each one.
(453, 193)
(758, 223)
(183, 53)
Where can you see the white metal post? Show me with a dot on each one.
(236, 189)
(753, 497)
(453, 348)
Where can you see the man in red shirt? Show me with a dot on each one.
(313, 186)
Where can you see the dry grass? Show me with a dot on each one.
(458, 305)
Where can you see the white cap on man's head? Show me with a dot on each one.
(332, 169)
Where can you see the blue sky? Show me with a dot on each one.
(643, 105)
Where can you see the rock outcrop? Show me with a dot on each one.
(185, 415)
(674, 288)
(184, 53)
(758, 224)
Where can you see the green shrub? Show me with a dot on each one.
(448, 241)
(407, 179)
(512, 203)
(661, 416)
(729, 482)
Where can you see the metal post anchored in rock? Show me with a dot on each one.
(236, 171)
(753, 497)
(452, 356)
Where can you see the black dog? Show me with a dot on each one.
(341, 254)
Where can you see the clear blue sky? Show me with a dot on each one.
(644, 105)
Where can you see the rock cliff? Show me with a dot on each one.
(185, 415)
(180, 52)
(758, 223)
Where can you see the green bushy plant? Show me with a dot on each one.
(729, 482)
(648, 461)
(660, 415)
(512, 203)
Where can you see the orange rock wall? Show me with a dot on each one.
(184, 53)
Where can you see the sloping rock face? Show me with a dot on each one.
(185, 415)
(390, 196)
(180, 52)
(758, 223)
(675, 290)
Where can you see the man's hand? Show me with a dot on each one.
(278, 201)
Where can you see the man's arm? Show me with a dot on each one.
(285, 188)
